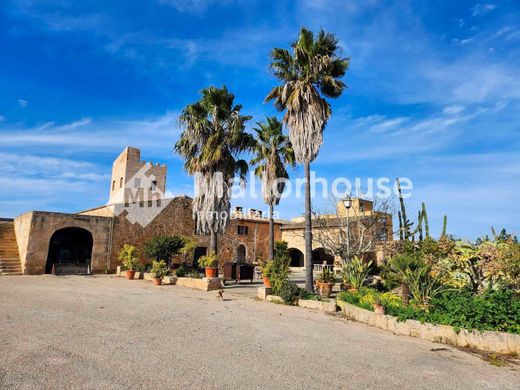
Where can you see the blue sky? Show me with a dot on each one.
(434, 95)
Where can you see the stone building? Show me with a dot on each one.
(89, 241)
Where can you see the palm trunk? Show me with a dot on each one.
(213, 243)
(309, 285)
(271, 232)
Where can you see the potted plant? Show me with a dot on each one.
(159, 270)
(267, 270)
(325, 281)
(209, 263)
(130, 258)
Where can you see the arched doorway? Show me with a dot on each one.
(241, 254)
(320, 256)
(296, 257)
(71, 248)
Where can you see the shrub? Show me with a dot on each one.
(181, 271)
(163, 247)
(129, 256)
(208, 261)
(492, 310)
(277, 270)
(159, 269)
(289, 292)
(422, 284)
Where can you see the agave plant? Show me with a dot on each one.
(355, 272)
(423, 285)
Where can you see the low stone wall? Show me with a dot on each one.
(328, 307)
(498, 342)
(204, 284)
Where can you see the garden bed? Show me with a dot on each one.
(489, 341)
(326, 306)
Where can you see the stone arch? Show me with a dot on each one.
(321, 256)
(297, 257)
(71, 249)
(241, 254)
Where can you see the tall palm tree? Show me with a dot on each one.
(213, 137)
(308, 75)
(272, 152)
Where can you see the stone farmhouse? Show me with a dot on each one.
(89, 241)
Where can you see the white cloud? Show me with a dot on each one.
(386, 125)
(481, 9)
(193, 6)
(22, 103)
(453, 110)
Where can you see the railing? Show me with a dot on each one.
(321, 267)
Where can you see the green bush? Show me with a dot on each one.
(492, 310)
(289, 292)
(163, 247)
(181, 271)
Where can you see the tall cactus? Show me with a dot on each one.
(425, 220)
(405, 224)
(444, 223)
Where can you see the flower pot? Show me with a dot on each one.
(157, 281)
(267, 282)
(378, 309)
(211, 272)
(325, 289)
(129, 274)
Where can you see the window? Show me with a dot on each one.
(158, 202)
(121, 183)
(141, 204)
(361, 206)
(242, 230)
(113, 185)
(154, 185)
(150, 203)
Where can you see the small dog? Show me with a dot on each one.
(220, 295)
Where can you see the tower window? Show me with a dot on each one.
(113, 185)
(242, 230)
(154, 185)
(121, 183)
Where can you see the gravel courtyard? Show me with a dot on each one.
(105, 332)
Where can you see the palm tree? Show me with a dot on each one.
(213, 137)
(309, 74)
(273, 151)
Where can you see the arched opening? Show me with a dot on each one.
(297, 258)
(320, 256)
(241, 254)
(70, 250)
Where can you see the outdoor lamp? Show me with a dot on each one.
(347, 202)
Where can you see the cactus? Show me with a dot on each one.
(425, 219)
(444, 223)
(404, 224)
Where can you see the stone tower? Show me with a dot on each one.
(135, 180)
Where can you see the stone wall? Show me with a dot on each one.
(176, 219)
(37, 227)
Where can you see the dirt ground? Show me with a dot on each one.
(104, 332)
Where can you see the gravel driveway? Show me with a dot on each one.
(105, 332)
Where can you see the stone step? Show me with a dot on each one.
(8, 273)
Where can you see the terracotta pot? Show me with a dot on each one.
(267, 282)
(129, 274)
(325, 289)
(378, 309)
(211, 272)
(157, 281)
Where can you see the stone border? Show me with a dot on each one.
(204, 284)
(498, 342)
(264, 293)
